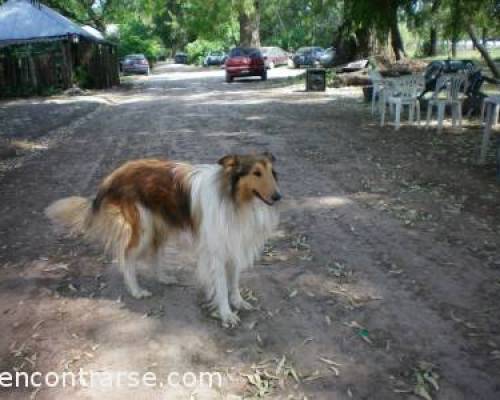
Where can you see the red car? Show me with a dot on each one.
(245, 62)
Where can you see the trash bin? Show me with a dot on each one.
(316, 80)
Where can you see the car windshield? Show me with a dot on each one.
(135, 57)
(245, 52)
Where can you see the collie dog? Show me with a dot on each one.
(224, 210)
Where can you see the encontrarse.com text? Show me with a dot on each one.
(113, 379)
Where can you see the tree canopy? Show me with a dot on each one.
(355, 27)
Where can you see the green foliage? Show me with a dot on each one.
(82, 77)
(198, 49)
(291, 24)
(331, 77)
(202, 26)
(199, 26)
(137, 37)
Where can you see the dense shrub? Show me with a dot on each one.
(137, 37)
(198, 49)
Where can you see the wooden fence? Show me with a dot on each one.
(42, 68)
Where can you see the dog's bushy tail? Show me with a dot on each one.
(72, 213)
(105, 224)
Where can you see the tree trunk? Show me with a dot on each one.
(364, 43)
(454, 47)
(397, 42)
(352, 45)
(250, 25)
(457, 15)
(396, 39)
(433, 43)
(432, 51)
(484, 36)
(484, 52)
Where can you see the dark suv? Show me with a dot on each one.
(181, 58)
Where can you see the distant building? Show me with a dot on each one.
(41, 50)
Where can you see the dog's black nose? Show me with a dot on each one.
(276, 196)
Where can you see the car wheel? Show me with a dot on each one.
(264, 76)
(229, 78)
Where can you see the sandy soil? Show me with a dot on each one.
(383, 281)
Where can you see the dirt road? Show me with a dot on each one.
(382, 282)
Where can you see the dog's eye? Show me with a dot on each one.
(258, 173)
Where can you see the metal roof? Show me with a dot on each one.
(24, 21)
(93, 32)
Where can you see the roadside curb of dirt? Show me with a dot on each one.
(50, 139)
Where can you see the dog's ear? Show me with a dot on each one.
(269, 156)
(229, 161)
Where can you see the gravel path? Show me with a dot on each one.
(385, 270)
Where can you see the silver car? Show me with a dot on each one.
(327, 59)
(135, 64)
(215, 58)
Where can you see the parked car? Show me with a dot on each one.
(180, 58)
(308, 56)
(135, 64)
(215, 58)
(243, 61)
(274, 56)
(327, 59)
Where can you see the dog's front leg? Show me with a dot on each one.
(213, 276)
(234, 281)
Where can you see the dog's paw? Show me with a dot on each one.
(230, 320)
(241, 304)
(142, 293)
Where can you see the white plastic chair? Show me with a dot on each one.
(490, 120)
(447, 92)
(377, 85)
(495, 101)
(400, 92)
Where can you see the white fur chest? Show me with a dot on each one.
(226, 232)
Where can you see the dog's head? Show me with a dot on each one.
(251, 176)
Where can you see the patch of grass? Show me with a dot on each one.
(467, 54)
